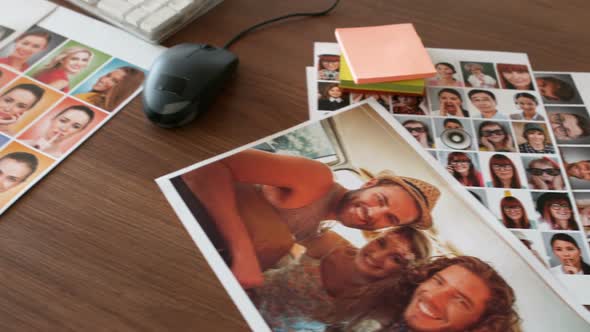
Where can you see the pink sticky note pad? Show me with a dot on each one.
(385, 53)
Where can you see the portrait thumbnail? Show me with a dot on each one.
(21, 102)
(446, 75)
(420, 128)
(494, 136)
(463, 166)
(558, 89)
(526, 105)
(29, 47)
(329, 67)
(409, 105)
(331, 97)
(513, 208)
(60, 129)
(567, 253)
(502, 170)
(479, 74)
(532, 137)
(555, 211)
(515, 76)
(112, 85)
(543, 172)
(454, 133)
(21, 166)
(576, 161)
(447, 102)
(570, 124)
(68, 65)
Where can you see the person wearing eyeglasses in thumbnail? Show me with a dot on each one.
(450, 104)
(556, 212)
(420, 132)
(503, 173)
(568, 126)
(544, 174)
(513, 213)
(528, 104)
(536, 141)
(568, 251)
(461, 168)
(15, 168)
(494, 137)
(25, 47)
(486, 104)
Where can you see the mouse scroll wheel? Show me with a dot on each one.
(172, 84)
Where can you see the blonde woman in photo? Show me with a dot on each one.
(70, 62)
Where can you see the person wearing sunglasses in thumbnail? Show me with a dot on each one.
(528, 104)
(458, 294)
(568, 251)
(556, 212)
(301, 295)
(461, 168)
(536, 140)
(514, 214)
(254, 197)
(503, 173)
(420, 132)
(494, 137)
(450, 103)
(485, 102)
(544, 174)
(568, 126)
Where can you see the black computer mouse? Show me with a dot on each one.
(183, 82)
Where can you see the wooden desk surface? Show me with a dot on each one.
(94, 246)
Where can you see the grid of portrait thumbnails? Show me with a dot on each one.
(54, 93)
(519, 143)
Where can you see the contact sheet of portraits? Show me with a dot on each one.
(60, 80)
(499, 133)
(324, 227)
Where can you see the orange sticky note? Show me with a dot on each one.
(385, 53)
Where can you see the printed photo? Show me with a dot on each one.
(454, 133)
(583, 204)
(533, 242)
(5, 32)
(484, 104)
(502, 170)
(329, 67)
(543, 173)
(68, 65)
(555, 211)
(288, 233)
(21, 102)
(331, 97)
(447, 102)
(567, 254)
(515, 76)
(420, 128)
(527, 107)
(112, 85)
(463, 166)
(576, 161)
(29, 48)
(558, 89)
(570, 124)
(514, 208)
(62, 128)
(409, 105)
(19, 166)
(382, 98)
(532, 137)
(446, 75)
(494, 136)
(6, 75)
(479, 74)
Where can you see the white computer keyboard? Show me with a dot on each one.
(152, 20)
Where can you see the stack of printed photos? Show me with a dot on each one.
(516, 140)
(60, 80)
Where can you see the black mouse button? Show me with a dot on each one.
(172, 84)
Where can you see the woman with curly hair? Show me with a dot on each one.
(68, 63)
(301, 294)
(459, 294)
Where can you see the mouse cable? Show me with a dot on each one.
(241, 34)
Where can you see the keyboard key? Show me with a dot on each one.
(135, 2)
(158, 19)
(180, 5)
(153, 5)
(115, 8)
(135, 16)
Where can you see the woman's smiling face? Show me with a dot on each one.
(28, 46)
(76, 62)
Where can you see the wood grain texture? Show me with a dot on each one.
(95, 247)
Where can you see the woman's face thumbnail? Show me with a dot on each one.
(28, 46)
(14, 104)
(76, 62)
(106, 82)
(67, 124)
